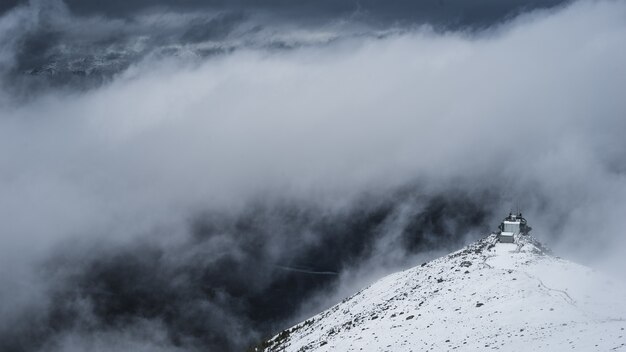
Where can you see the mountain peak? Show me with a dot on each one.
(488, 295)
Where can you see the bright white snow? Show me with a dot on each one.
(487, 296)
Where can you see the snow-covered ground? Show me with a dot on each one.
(487, 296)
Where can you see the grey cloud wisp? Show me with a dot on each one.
(183, 203)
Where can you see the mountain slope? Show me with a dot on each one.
(487, 296)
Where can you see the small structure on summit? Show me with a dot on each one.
(512, 227)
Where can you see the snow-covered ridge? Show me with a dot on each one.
(486, 296)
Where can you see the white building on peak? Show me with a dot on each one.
(512, 227)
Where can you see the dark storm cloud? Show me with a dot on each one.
(9, 4)
(445, 12)
(63, 47)
(52, 46)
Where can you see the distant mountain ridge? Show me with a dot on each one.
(486, 296)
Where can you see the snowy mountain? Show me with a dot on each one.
(487, 296)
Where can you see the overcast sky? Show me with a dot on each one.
(195, 177)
